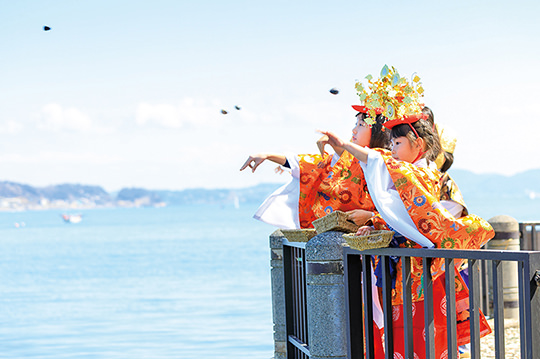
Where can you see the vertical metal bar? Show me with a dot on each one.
(299, 263)
(429, 326)
(302, 295)
(356, 334)
(524, 335)
(484, 285)
(451, 307)
(530, 236)
(487, 293)
(387, 308)
(523, 232)
(534, 239)
(527, 237)
(498, 308)
(407, 307)
(295, 289)
(287, 274)
(299, 293)
(532, 303)
(368, 306)
(294, 292)
(306, 334)
(298, 297)
(474, 307)
(301, 298)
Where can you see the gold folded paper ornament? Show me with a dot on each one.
(391, 94)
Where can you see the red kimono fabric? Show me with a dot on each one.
(325, 188)
(419, 190)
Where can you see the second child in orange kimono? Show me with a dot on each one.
(406, 194)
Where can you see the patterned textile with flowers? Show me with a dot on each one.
(325, 188)
(450, 191)
(419, 190)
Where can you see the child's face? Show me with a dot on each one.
(404, 150)
(361, 133)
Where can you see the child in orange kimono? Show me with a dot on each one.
(405, 192)
(321, 184)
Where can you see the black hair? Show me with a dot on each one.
(448, 161)
(380, 136)
(430, 116)
(424, 130)
(448, 157)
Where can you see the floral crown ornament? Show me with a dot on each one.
(393, 96)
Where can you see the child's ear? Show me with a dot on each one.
(420, 143)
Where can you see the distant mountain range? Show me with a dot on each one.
(480, 186)
(16, 196)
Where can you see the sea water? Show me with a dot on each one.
(172, 282)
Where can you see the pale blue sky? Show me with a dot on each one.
(129, 93)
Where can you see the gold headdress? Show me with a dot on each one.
(393, 96)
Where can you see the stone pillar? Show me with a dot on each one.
(278, 295)
(326, 306)
(506, 238)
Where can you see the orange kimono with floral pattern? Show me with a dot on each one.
(419, 190)
(325, 188)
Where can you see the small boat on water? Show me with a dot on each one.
(72, 218)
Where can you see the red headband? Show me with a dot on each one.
(364, 109)
(405, 119)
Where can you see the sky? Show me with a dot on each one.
(129, 93)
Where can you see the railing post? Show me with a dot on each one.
(506, 238)
(326, 305)
(278, 295)
(533, 303)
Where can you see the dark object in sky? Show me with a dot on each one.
(237, 107)
(334, 91)
(224, 112)
(46, 28)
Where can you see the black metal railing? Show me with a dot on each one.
(357, 270)
(294, 266)
(484, 267)
(529, 236)
(529, 240)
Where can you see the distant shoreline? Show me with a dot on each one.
(19, 197)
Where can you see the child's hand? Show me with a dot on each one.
(364, 231)
(253, 162)
(321, 142)
(333, 139)
(359, 216)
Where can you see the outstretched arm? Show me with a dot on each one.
(357, 151)
(255, 160)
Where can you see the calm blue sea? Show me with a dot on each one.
(173, 282)
(522, 209)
